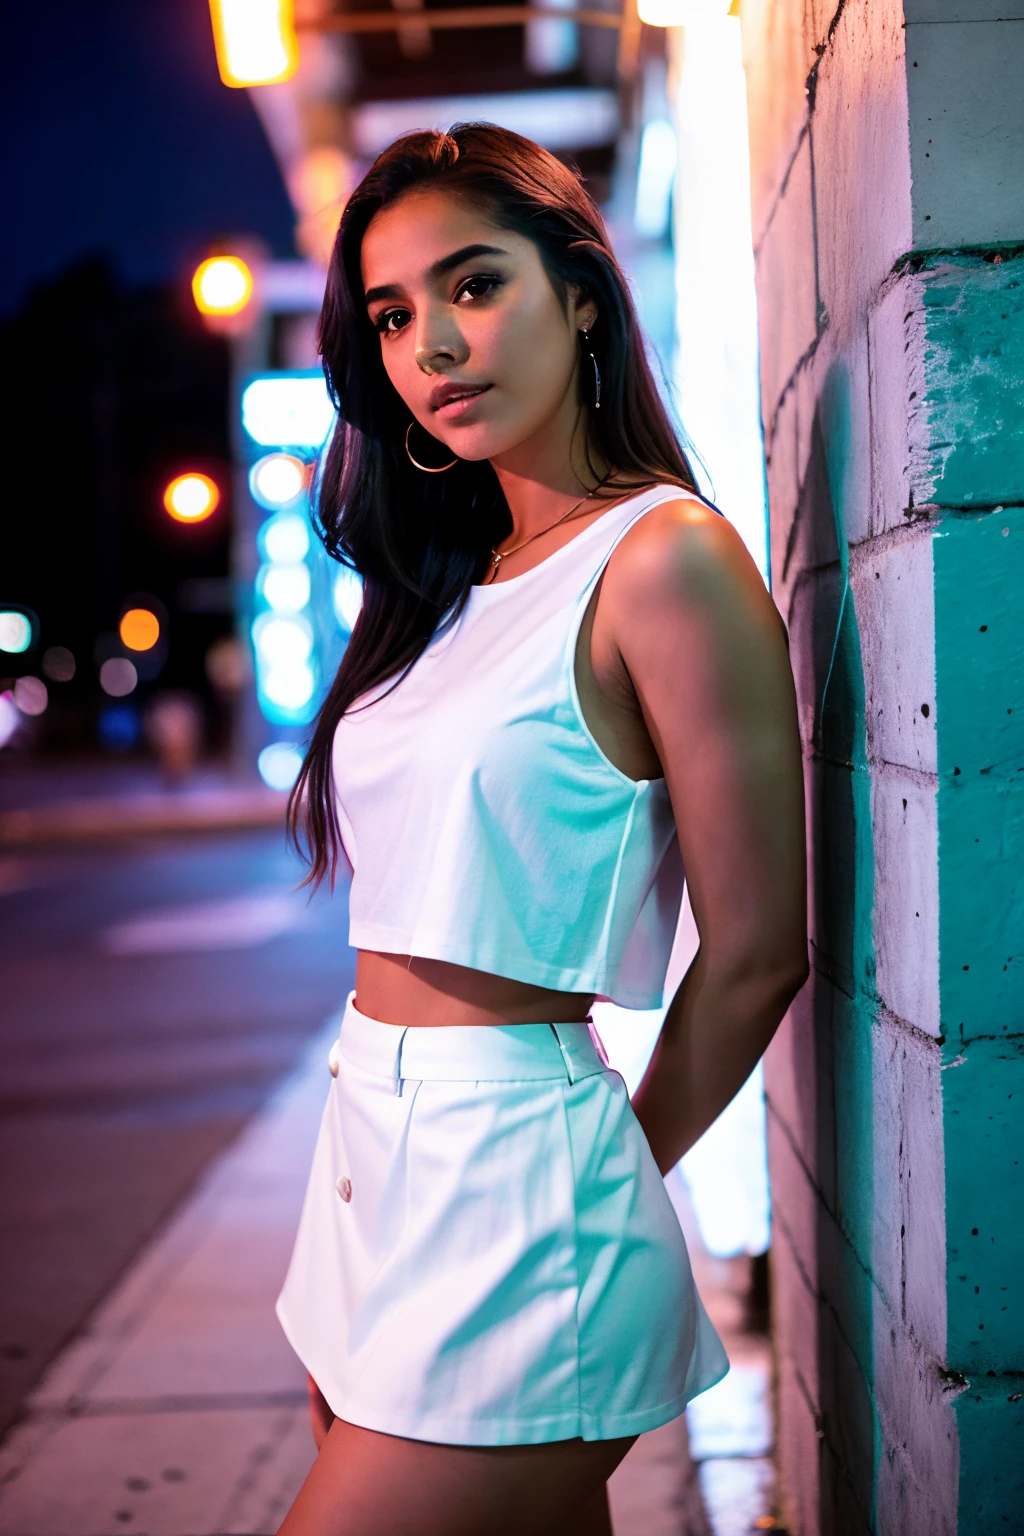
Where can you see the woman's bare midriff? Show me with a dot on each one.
(400, 989)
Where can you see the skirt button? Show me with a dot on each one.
(344, 1188)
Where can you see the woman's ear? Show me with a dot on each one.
(583, 310)
(586, 315)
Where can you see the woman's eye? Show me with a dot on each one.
(477, 287)
(391, 321)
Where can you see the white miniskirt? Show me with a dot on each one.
(487, 1254)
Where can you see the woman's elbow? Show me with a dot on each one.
(768, 975)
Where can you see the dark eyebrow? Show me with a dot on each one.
(439, 269)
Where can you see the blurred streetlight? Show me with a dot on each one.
(255, 40)
(222, 285)
(139, 629)
(192, 497)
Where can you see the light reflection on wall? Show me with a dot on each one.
(716, 373)
(717, 385)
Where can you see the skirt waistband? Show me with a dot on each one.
(462, 1053)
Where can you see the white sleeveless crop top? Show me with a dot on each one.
(483, 823)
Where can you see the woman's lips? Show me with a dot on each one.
(458, 404)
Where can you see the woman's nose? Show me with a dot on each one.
(439, 350)
(428, 359)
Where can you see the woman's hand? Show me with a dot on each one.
(701, 643)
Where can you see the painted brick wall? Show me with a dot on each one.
(892, 388)
(973, 476)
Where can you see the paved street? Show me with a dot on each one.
(153, 992)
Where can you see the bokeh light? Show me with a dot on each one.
(139, 629)
(192, 497)
(282, 642)
(118, 677)
(290, 687)
(285, 588)
(277, 479)
(15, 631)
(255, 40)
(222, 285)
(10, 717)
(59, 664)
(347, 594)
(30, 695)
(119, 727)
(284, 650)
(279, 764)
(290, 408)
(285, 538)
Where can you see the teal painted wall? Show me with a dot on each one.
(974, 363)
(974, 313)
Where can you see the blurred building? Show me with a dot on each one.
(127, 159)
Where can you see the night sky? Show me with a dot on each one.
(121, 141)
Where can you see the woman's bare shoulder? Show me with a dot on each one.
(682, 553)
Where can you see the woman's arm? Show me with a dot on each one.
(705, 652)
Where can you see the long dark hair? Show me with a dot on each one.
(420, 541)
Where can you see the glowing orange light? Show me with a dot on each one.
(255, 40)
(222, 285)
(189, 498)
(139, 629)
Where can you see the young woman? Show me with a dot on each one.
(566, 673)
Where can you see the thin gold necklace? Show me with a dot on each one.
(496, 559)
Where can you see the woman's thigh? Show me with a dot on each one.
(366, 1484)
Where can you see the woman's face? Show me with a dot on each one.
(474, 337)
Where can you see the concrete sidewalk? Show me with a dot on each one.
(181, 1410)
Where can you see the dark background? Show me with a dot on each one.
(126, 159)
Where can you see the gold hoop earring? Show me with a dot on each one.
(426, 468)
